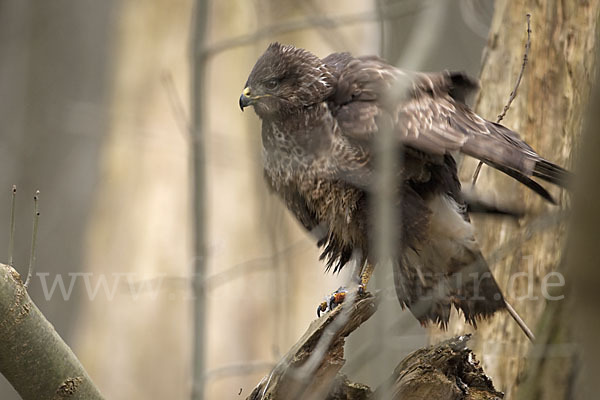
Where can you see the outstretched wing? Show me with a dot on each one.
(430, 115)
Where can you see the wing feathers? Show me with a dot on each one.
(435, 120)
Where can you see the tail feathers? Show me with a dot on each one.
(552, 173)
(432, 308)
(476, 304)
(527, 181)
(476, 292)
(472, 289)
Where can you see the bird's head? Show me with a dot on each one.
(285, 79)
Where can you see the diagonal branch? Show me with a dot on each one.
(34, 358)
(286, 379)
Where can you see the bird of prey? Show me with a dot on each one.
(320, 121)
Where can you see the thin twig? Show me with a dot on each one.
(513, 94)
(476, 173)
(11, 236)
(520, 321)
(238, 369)
(36, 218)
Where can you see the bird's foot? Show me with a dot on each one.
(335, 299)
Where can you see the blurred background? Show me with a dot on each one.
(95, 112)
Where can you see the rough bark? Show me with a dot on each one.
(565, 364)
(446, 371)
(33, 357)
(547, 112)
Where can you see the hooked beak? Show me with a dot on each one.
(245, 99)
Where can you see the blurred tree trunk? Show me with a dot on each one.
(134, 334)
(547, 112)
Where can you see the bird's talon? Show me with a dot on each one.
(362, 289)
(337, 298)
(332, 302)
(321, 308)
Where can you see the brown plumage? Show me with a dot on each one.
(319, 121)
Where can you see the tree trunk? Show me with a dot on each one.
(134, 332)
(547, 112)
(568, 334)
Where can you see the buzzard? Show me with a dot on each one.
(320, 120)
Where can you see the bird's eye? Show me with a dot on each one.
(271, 83)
